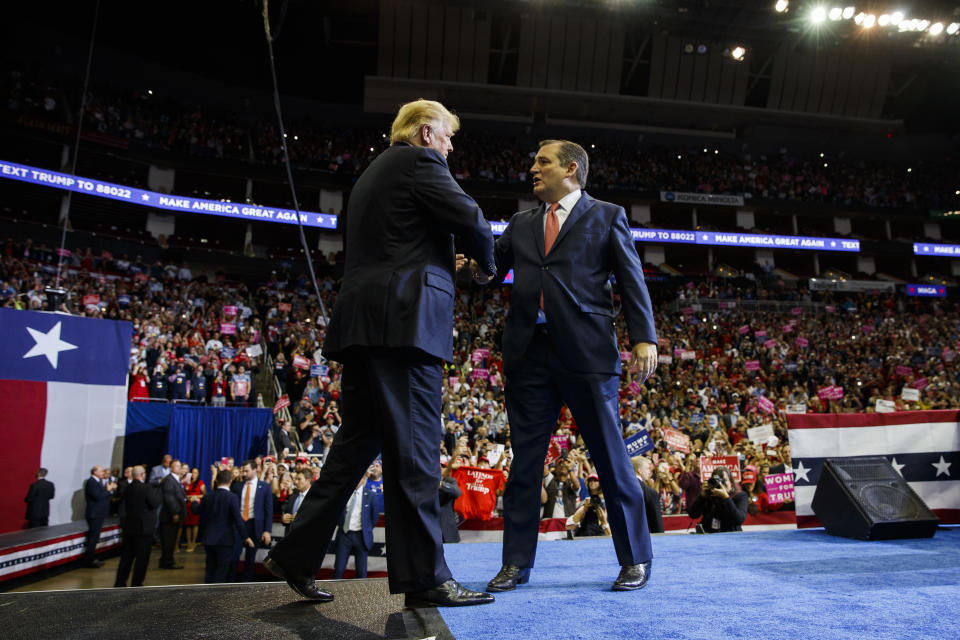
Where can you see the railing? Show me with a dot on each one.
(750, 306)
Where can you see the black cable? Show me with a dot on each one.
(76, 142)
(286, 160)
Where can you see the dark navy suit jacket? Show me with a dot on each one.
(140, 508)
(368, 517)
(594, 242)
(98, 499)
(397, 291)
(220, 522)
(262, 507)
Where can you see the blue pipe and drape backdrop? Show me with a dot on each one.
(198, 436)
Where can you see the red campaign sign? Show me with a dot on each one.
(921, 383)
(709, 463)
(787, 328)
(831, 392)
(553, 453)
(560, 442)
(282, 402)
(480, 354)
(903, 370)
(301, 363)
(92, 299)
(676, 440)
(284, 306)
(744, 330)
(751, 365)
(802, 342)
(230, 310)
(770, 343)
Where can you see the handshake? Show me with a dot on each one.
(478, 274)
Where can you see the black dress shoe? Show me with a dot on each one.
(171, 566)
(509, 577)
(632, 577)
(305, 586)
(93, 564)
(449, 594)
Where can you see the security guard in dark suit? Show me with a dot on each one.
(140, 502)
(391, 328)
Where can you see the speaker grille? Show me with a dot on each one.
(884, 502)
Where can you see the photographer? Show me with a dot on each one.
(590, 518)
(722, 507)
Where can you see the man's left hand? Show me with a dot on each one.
(645, 357)
(266, 538)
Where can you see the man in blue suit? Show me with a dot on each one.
(221, 529)
(256, 511)
(391, 328)
(355, 533)
(97, 494)
(560, 347)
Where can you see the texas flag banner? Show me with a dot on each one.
(63, 402)
(923, 446)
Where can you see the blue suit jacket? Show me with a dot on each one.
(220, 521)
(369, 516)
(397, 290)
(594, 242)
(262, 507)
(98, 499)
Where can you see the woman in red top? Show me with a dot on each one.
(139, 386)
(195, 491)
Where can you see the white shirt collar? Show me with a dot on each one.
(569, 201)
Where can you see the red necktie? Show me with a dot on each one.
(550, 232)
(246, 504)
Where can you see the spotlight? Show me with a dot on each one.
(688, 48)
(909, 170)
(953, 28)
(936, 28)
(835, 14)
(922, 25)
(907, 25)
(701, 49)
(737, 53)
(896, 18)
(860, 17)
(818, 15)
(883, 20)
(869, 20)
(781, 6)
(848, 13)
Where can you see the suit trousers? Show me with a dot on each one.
(221, 563)
(250, 554)
(136, 555)
(94, 525)
(348, 544)
(33, 523)
(168, 539)
(535, 391)
(390, 401)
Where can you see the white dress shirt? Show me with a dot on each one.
(567, 203)
(354, 519)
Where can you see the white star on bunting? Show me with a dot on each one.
(48, 344)
(942, 467)
(800, 472)
(898, 467)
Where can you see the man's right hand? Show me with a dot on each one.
(478, 276)
(249, 542)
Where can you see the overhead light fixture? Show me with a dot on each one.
(883, 20)
(688, 47)
(922, 25)
(869, 20)
(781, 6)
(835, 13)
(936, 28)
(701, 49)
(737, 53)
(896, 18)
(818, 15)
(848, 13)
(953, 28)
(860, 17)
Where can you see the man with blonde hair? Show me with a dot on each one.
(391, 327)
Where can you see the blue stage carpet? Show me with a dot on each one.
(772, 584)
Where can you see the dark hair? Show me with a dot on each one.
(252, 462)
(41, 472)
(305, 474)
(724, 473)
(224, 477)
(572, 152)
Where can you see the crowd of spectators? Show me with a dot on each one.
(164, 124)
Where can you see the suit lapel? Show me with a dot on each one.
(537, 227)
(584, 204)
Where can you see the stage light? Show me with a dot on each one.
(825, 165)
(150, 91)
(781, 6)
(869, 20)
(883, 20)
(821, 155)
(295, 138)
(860, 17)
(737, 53)
(907, 25)
(896, 18)
(701, 49)
(688, 47)
(818, 15)
(848, 13)
(705, 151)
(953, 28)
(909, 169)
(836, 13)
(922, 25)
(936, 28)
(716, 151)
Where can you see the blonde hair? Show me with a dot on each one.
(413, 115)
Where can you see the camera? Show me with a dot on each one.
(595, 502)
(715, 482)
